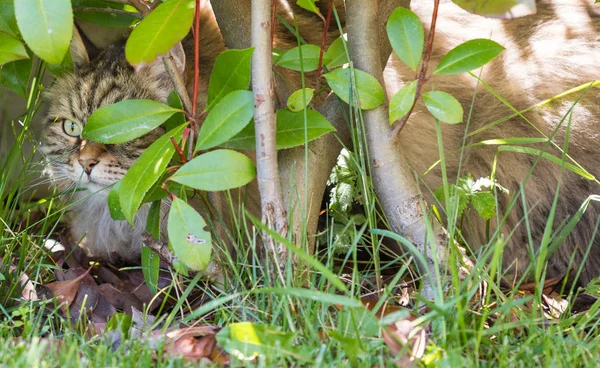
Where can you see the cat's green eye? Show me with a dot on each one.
(71, 128)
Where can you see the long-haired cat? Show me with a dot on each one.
(546, 54)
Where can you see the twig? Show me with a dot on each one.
(400, 198)
(326, 22)
(141, 6)
(179, 84)
(422, 77)
(108, 10)
(196, 59)
(269, 185)
(118, 1)
(160, 248)
(273, 18)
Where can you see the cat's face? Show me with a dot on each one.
(108, 78)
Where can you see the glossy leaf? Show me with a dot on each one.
(247, 340)
(15, 76)
(107, 20)
(188, 236)
(443, 106)
(145, 171)
(230, 73)
(114, 204)
(226, 119)
(470, 55)
(290, 127)
(168, 24)
(46, 27)
(125, 120)
(336, 53)
(216, 170)
(310, 58)
(370, 92)
(308, 5)
(150, 268)
(502, 9)
(300, 99)
(402, 101)
(178, 118)
(8, 21)
(11, 49)
(405, 32)
(290, 130)
(153, 219)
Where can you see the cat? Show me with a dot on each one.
(546, 54)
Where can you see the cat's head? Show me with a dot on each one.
(99, 78)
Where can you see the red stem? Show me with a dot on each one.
(422, 76)
(327, 21)
(179, 151)
(196, 59)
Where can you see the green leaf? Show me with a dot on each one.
(467, 56)
(244, 140)
(246, 340)
(494, 8)
(153, 219)
(402, 101)
(189, 236)
(308, 5)
(216, 170)
(114, 204)
(226, 119)
(443, 106)
(15, 76)
(150, 268)
(300, 99)
(310, 58)
(290, 130)
(145, 171)
(125, 120)
(230, 73)
(46, 27)
(11, 49)
(405, 32)
(485, 204)
(107, 20)
(178, 118)
(8, 21)
(168, 24)
(336, 53)
(290, 127)
(548, 156)
(370, 92)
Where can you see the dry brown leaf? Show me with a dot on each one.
(196, 344)
(66, 289)
(406, 340)
(119, 299)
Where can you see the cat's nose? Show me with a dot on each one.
(88, 164)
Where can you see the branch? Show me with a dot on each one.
(160, 248)
(422, 78)
(108, 10)
(400, 198)
(273, 212)
(141, 6)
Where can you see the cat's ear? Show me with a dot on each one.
(82, 50)
(157, 67)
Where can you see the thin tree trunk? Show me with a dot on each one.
(273, 213)
(394, 183)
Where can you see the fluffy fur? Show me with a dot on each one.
(546, 54)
